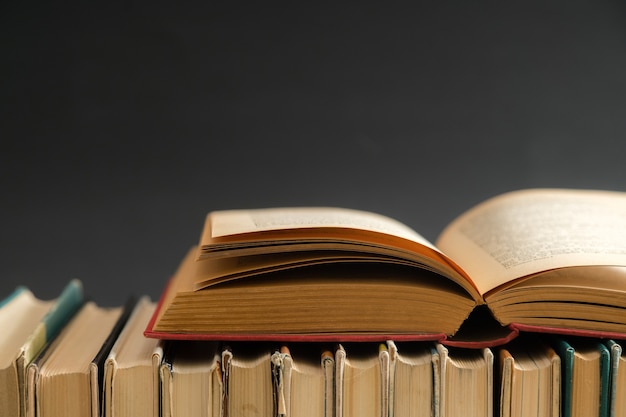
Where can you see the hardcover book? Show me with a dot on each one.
(191, 380)
(466, 378)
(362, 380)
(585, 377)
(304, 382)
(28, 325)
(131, 370)
(73, 362)
(542, 260)
(617, 385)
(529, 380)
(247, 381)
(414, 375)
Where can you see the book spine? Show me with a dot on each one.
(280, 382)
(383, 358)
(393, 357)
(165, 377)
(340, 363)
(605, 379)
(436, 367)
(102, 354)
(328, 364)
(488, 356)
(227, 356)
(566, 352)
(157, 360)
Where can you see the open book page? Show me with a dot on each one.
(228, 268)
(530, 231)
(237, 222)
(301, 236)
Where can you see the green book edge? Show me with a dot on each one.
(605, 379)
(566, 352)
(65, 306)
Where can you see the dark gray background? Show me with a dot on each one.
(122, 126)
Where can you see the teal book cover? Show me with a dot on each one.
(573, 353)
(66, 305)
(33, 323)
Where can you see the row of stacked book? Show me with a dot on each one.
(71, 357)
(517, 309)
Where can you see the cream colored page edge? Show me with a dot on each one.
(19, 320)
(227, 222)
(488, 273)
(233, 222)
(132, 348)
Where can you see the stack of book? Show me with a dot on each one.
(519, 309)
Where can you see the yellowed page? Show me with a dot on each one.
(529, 231)
(242, 233)
(233, 222)
(18, 320)
(214, 271)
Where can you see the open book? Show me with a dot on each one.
(551, 260)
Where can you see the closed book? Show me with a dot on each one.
(466, 382)
(303, 381)
(74, 363)
(585, 377)
(529, 382)
(252, 268)
(362, 380)
(413, 381)
(131, 370)
(29, 324)
(247, 380)
(191, 380)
